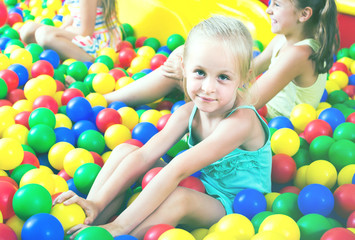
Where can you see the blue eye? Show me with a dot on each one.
(223, 77)
(200, 73)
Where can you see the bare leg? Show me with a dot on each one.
(184, 206)
(59, 40)
(27, 32)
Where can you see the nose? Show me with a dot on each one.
(209, 85)
(269, 10)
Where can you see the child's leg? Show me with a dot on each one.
(27, 32)
(184, 206)
(59, 40)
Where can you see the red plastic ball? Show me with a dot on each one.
(164, 105)
(69, 94)
(263, 111)
(13, 18)
(30, 158)
(106, 118)
(337, 234)
(125, 44)
(3, 14)
(150, 175)
(117, 73)
(351, 118)
(125, 57)
(42, 67)
(64, 175)
(45, 101)
(60, 86)
(15, 95)
(97, 159)
(193, 183)
(22, 118)
(339, 66)
(6, 232)
(11, 79)
(154, 232)
(290, 189)
(5, 102)
(162, 121)
(350, 90)
(7, 191)
(350, 223)
(140, 41)
(8, 179)
(134, 142)
(157, 61)
(344, 199)
(283, 168)
(317, 128)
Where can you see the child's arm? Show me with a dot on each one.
(234, 131)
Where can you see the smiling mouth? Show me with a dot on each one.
(206, 99)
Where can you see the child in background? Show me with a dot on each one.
(92, 25)
(295, 62)
(229, 142)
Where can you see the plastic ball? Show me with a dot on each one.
(16, 224)
(174, 41)
(345, 130)
(270, 198)
(249, 202)
(129, 117)
(75, 158)
(21, 72)
(338, 233)
(163, 121)
(150, 175)
(68, 215)
(103, 83)
(280, 122)
(41, 138)
(62, 120)
(17, 132)
(7, 190)
(286, 203)
(157, 61)
(10, 149)
(107, 117)
(82, 126)
(192, 183)
(237, 225)
(42, 85)
(78, 109)
(30, 158)
(176, 234)
(319, 147)
(91, 140)
(57, 153)
(77, 70)
(64, 134)
(321, 172)
(341, 153)
(41, 176)
(6, 233)
(313, 226)
(144, 131)
(316, 198)
(94, 233)
(219, 236)
(151, 116)
(317, 128)
(332, 116)
(69, 94)
(301, 115)
(259, 218)
(281, 224)
(350, 223)
(123, 81)
(46, 102)
(11, 79)
(96, 99)
(344, 199)
(339, 77)
(154, 232)
(199, 233)
(116, 134)
(42, 67)
(283, 168)
(50, 56)
(126, 56)
(3, 14)
(42, 226)
(43, 116)
(85, 176)
(346, 175)
(285, 141)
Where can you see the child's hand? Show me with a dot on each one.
(89, 207)
(172, 67)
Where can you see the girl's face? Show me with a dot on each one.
(284, 16)
(212, 76)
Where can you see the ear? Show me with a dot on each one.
(305, 14)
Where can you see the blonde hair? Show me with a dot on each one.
(110, 13)
(235, 37)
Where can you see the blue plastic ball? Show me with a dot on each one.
(78, 109)
(3, 42)
(353, 180)
(146, 71)
(125, 237)
(144, 131)
(315, 198)
(96, 111)
(51, 56)
(177, 105)
(280, 122)
(249, 202)
(117, 105)
(64, 134)
(42, 226)
(332, 116)
(73, 188)
(82, 126)
(164, 49)
(21, 72)
(324, 96)
(88, 64)
(352, 80)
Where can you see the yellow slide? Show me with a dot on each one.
(161, 18)
(346, 7)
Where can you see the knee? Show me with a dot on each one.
(178, 201)
(44, 35)
(27, 32)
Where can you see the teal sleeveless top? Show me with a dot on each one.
(238, 170)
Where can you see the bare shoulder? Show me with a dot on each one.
(298, 53)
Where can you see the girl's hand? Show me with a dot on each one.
(172, 67)
(69, 197)
(75, 230)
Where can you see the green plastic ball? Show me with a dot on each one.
(35, 51)
(42, 116)
(337, 96)
(138, 75)
(352, 51)
(342, 153)
(286, 203)
(259, 218)
(94, 233)
(178, 147)
(105, 60)
(3, 89)
(302, 157)
(132, 40)
(16, 42)
(62, 109)
(153, 43)
(58, 75)
(77, 70)
(127, 30)
(85, 176)
(41, 138)
(92, 141)
(47, 21)
(313, 226)
(28, 149)
(63, 68)
(345, 130)
(344, 52)
(319, 148)
(20, 170)
(174, 41)
(81, 86)
(259, 45)
(88, 81)
(11, 33)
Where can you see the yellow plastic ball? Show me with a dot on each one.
(285, 141)
(132, 198)
(220, 236)
(324, 105)
(57, 153)
(11, 48)
(340, 78)
(282, 224)
(23, 105)
(48, 13)
(270, 198)
(3, 173)
(57, 23)
(39, 86)
(58, 98)
(6, 120)
(164, 112)
(17, 132)
(8, 110)
(110, 52)
(16, 224)
(4, 62)
(116, 134)
(321, 172)
(69, 61)
(75, 158)
(129, 116)
(46, 169)
(98, 68)
(106, 155)
(331, 86)
(103, 83)
(237, 225)
(18, 25)
(68, 215)
(346, 60)
(199, 233)
(139, 63)
(96, 99)
(1, 218)
(151, 116)
(64, 11)
(38, 176)
(176, 234)
(146, 51)
(268, 235)
(301, 115)
(63, 120)
(36, 12)
(60, 185)
(11, 153)
(35, 3)
(352, 68)
(346, 174)
(54, 5)
(123, 81)
(301, 176)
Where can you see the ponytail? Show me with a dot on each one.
(110, 13)
(324, 26)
